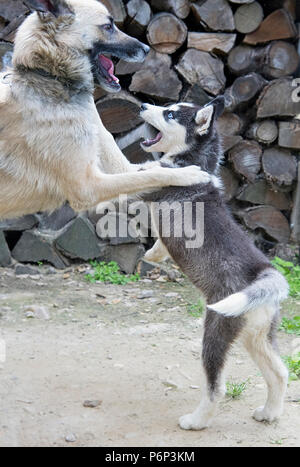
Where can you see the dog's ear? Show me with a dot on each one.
(55, 7)
(219, 106)
(204, 119)
(206, 116)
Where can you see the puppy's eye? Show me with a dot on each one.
(108, 27)
(171, 116)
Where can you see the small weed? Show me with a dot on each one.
(291, 326)
(293, 364)
(196, 310)
(109, 272)
(235, 390)
(291, 273)
(278, 442)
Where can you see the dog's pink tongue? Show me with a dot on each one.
(108, 66)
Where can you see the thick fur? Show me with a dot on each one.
(228, 269)
(53, 145)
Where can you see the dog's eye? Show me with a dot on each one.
(171, 116)
(108, 27)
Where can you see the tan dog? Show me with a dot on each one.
(53, 145)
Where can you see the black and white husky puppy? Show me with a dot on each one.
(243, 289)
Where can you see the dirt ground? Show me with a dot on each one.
(135, 349)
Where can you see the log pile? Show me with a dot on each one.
(247, 50)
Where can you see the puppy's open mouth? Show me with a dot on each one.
(153, 140)
(104, 69)
(150, 142)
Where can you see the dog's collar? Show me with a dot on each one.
(74, 86)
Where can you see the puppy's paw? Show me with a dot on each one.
(188, 422)
(262, 414)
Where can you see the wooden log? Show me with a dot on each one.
(289, 134)
(290, 7)
(280, 166)
(9, 32)
(278, 25)
(117, 9)
(230, 183)
(230, 124)
(180, 8)
(157, 79)
(260, 192)
(276, 60)
(201, 68)
(166, 33)
(246, 159)
(265, 132)
(281, 59)
(122, 105)
(139, 16)
(270, 220)
(248, 17)
(243, 90)
(196, 95)
(214, 15)
(276, 100)
(295, 219)
(211, 42)
(230, 141)
(11, 10)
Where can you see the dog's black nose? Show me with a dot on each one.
(144, 107)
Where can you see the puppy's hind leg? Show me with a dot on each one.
(260, 345)
(219, 334)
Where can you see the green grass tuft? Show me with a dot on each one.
(291, 273)
(109, 272)
(196, 310)
(235, 390)
(291, 325)
(293, 364)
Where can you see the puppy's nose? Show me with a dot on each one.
(144, 107)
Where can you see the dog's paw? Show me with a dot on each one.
(262, 414)
(191, 175)
(188, 422)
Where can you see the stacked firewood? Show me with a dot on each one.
(247, 50)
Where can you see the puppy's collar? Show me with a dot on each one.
(74, 86)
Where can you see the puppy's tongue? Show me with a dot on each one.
(151, 142)
(108, 66)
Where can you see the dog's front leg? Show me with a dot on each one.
(93, 187)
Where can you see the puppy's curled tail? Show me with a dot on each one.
(270, 288)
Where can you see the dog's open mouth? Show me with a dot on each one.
(151, 130)
(105, 69)
(150, 142)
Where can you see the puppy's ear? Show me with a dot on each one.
(204, 119)
(219, 105)
(55, 7)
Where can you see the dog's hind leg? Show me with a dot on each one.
(218, 336)
(260, 343)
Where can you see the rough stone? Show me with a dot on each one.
(5, 256)
(19, 224)
(127, 256)
(57, 219)
(79, 240)
(35, 247)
